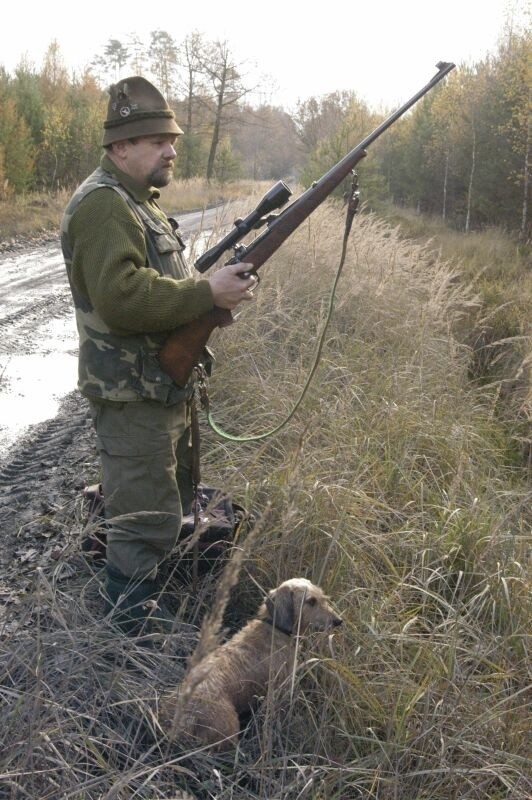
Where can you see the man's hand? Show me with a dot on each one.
(228, 289)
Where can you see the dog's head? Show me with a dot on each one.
(297, 605)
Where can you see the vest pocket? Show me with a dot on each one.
(156, 384)
(166, 243)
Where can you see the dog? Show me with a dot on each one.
(205, 708)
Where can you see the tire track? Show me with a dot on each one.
(41, 466)
(41, 508)
(19, 331)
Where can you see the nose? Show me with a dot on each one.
(337, 621)
(170, 151)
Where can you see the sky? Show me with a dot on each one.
(383, 50)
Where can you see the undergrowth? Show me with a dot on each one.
(396, 487)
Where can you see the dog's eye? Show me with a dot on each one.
(311, 601)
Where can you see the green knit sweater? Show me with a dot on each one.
(109, 264)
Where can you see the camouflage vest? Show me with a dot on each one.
(124, 368)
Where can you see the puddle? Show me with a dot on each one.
(32, 386)
(25, 277)
(36, 386)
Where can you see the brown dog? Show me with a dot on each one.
(223, 684)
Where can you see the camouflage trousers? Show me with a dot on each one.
(146, 457)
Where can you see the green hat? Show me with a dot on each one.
(137, 108)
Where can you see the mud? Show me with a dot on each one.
(40, 416)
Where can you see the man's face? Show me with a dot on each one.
(149, 160)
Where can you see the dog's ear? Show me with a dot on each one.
(280, 605)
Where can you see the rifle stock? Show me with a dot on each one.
(184, 347)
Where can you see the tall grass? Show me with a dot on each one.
(197, 193)
(498, 266)
(396, 488)
(29, 216)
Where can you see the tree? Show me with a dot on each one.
(55, 142)
(318, 119)
(515, 77)
(87, 107)
(116, 55)
(218, 65)
(137, 54)
(163, 53)
(441, 146)
(267, 143)
(55, 134)
(3, 179)
(190, 85)
(226, 166)
(333, 125)
(18, 153)
(106, 68)
(27, 91)
(473, 88)
(54, 74)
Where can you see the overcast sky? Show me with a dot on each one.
(383, 50)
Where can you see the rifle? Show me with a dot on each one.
(184, 347)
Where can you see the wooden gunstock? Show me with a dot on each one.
(184, 347)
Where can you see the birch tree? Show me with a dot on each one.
(515, 68)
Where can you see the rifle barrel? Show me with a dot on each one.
(285, 223)
(444, 68)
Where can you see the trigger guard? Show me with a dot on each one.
(248, 274)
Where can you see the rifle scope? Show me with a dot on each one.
(274, 198)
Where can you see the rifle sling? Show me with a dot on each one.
(196, 478)
(352, 207)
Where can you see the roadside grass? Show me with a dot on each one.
(499, 268)
(30, 215)
(196, 193)
(396, 487)
(33, 214)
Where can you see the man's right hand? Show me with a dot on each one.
(228, 289)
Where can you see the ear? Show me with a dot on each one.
(120, 148)
(280, 605)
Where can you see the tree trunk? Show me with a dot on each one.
(471, 177)
(216, 128)
(187, 166)
(526, 181)
(445, 183)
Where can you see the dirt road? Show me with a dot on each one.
(47, 449)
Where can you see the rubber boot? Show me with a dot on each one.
(135, 605)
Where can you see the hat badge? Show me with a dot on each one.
(125, 111)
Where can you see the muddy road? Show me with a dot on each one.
(47, 452)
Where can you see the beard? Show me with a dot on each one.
(161, 177)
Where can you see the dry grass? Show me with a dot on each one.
(196, 193)
(28, 216)
(397, 489)
(498, 267)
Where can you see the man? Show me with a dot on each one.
(131, 286)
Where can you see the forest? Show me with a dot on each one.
(462, 154)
